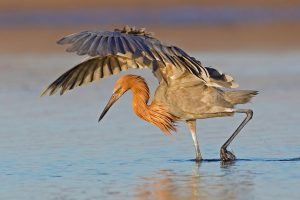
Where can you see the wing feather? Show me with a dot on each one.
(119, 45)
(130, 46)
(97, 72)
(86, 45)
(124, 44)
(78, 42)
(131, 43)
(100, 45)
(92, 70)
(219, 79)
(110, 46)
(93, 48)
(71, 38)
(115, 51)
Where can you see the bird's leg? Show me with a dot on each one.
(227, 155)
(192, 127)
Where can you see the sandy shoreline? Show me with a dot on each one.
(202, 38)
(35, 26)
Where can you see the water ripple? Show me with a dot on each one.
(242, 160)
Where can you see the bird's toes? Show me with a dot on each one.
(226, 156)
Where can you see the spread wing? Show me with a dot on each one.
(94, 69)
(114, 51)
(131, 43)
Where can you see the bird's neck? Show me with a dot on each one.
(154, 113)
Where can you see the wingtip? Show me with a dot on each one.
(47, 92)
(44, 93)
(64, 40)
(60, 41)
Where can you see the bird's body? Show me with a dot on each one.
(187, 91)
(189, 100)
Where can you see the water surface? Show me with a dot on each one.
(53, 148)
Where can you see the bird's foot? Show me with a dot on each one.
(226, 156)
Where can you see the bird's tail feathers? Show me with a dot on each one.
(240, 96)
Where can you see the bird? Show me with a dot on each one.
(187, 90)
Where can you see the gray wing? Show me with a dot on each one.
(120, 50)
(131, 43)
(218, 78)
(94, 69)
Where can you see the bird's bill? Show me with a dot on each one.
(111, 101)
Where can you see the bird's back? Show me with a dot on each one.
(190, 98)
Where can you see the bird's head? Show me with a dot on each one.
(122, 86)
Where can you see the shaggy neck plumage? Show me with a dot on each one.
(156, 114)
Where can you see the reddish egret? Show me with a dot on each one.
(187, 90)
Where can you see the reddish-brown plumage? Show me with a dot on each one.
(154, 113)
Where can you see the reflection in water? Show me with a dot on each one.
(227, 183)
(167, 184)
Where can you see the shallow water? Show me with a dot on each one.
(53, 147)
